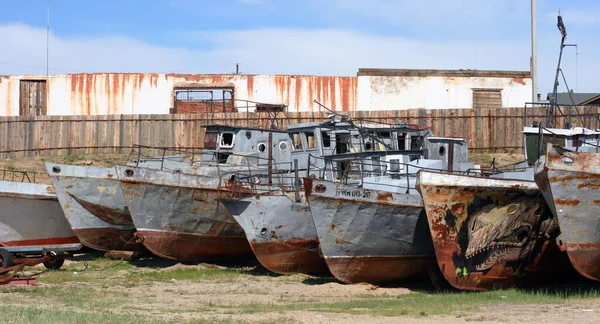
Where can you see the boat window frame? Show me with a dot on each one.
(221, 145)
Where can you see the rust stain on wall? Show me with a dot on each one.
(250, 86)
(518, 80)
(100, 93)
(8, 95)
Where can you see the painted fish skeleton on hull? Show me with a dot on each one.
(487, 233)
(30, 215)
(281, 232)
(570, 182)
(93, 204)
(370, 235)
(178, 216)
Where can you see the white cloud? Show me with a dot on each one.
(280, 51)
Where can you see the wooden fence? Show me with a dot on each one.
(492, 130)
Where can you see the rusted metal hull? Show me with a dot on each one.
(30, 215)
(178, 215)
(370, 235)
(488, 233)
(93, 204)
(281, 233)
(570, 183)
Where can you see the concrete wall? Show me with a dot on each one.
(430, 89)
(134, 93)
(99, 94)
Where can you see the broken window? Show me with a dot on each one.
(32, 98)
(226, 140)
(296, 139)
(199, 99)
(326, 139)
(311, 143)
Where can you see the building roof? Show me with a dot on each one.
(563, 98)
(449, 73)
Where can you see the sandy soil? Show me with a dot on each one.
(250, 296)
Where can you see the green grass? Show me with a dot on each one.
(192, 274)
(35, 314)
(423, 304)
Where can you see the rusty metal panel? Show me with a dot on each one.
(178, 216)
(370, 235)
(487, 233)
(281, 232)
(570, 183)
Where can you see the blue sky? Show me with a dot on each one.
(326, 37)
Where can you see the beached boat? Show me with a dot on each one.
(375, 230)
(279, 224)
(569, 180)
(93, 203)
(31, 218)
(487, 233)
(178, 214)
(492, 231)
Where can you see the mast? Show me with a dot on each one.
(553, 99)
(534, 89)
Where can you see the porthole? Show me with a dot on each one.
(567, 160)
(262, 147)
(442, 150)
(283, 146)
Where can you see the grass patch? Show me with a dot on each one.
(424, 304)
(80, 297)
(193, 274)
(35, 314)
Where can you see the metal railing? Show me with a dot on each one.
(18, 175)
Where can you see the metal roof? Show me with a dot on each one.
(578, 98)
(448, 73)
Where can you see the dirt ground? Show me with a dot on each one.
(96, 290)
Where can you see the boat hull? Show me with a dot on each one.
(178, 216)
(281, 233)
(570, 182)
(487, 233)
(93, 204)
(30, 215)
(370, 235)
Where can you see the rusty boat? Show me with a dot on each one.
(487, 233)
(31, 219)
(569, 180)
(178, 214)
(495, 229)
(93, 203)
(279, 225)
(372, 226)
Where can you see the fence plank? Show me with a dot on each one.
(489, 129)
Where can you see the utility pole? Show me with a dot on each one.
(534, 89)
(47, 40)
(237, 68)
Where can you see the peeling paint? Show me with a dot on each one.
(151, 93)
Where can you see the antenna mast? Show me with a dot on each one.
(47, 39)
(534, 80)
(554, 99)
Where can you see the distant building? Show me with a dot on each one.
(573, 98)
(370, 90)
